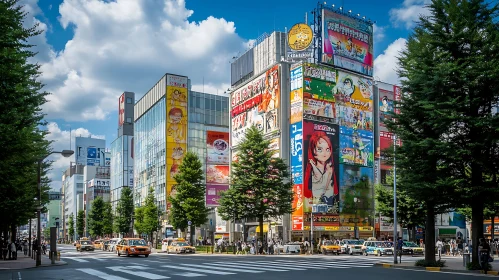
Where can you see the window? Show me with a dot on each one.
(128, 100)
(129, 120)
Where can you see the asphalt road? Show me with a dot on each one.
(108, 266)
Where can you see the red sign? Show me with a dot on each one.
(297, 222)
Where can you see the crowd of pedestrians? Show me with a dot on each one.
(270, 247)
(10, 249)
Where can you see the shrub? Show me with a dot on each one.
(424, 263)
(476, 266)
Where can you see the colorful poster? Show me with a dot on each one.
(320, 82)
(121, 110)
(385, 143)
(354, 91)
(256, 103)
(319, 110)
(297, 95)
(174, 153)
(356, 188)
(213, 194)
(296, 74)
(355, 118)
(320, 181)
(296, 111)
(296, 132)
(298, 200)
(356, 147)
(321, 220)
(385, 106)
(217, 147)
(397, 96)
(348, 42)
(217, 174)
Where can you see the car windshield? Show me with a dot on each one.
(85, 243)
(410, 244)
(137, 243)
(328, 243)
(182, 244)
(354, 242)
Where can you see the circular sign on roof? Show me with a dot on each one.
(300, 37)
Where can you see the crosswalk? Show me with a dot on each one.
(165, 270)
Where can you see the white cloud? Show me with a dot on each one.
(409, 13)
(385, 64)
(61, 141)
(127, 45)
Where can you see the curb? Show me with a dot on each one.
(435, 269)
(33, 267)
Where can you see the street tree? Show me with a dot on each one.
(260, 183)
(96, 217)
(124, 211)
(188, 204)
(80, 223)
(71, 227)
(447, 125)
(23, 138)
(138, 222)
(149, 215)
(46, 233)
(108, 218)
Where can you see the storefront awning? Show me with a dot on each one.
(265, 228)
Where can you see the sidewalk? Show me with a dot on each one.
(452, 264)
(24, 262)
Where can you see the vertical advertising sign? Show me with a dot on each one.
(356, 147)
(397, 97)
(296, 93)
(256, 103)
(385, 106)
(176, 126)
(217, 147)
(348, 42)
(356, 190)
(217, 174)
(320, 181)
(298, 202)
(297, 153)
(121, 110)
(213, 194)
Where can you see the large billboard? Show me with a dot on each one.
(354, 91)
(256, 103)
(176, 126)
(217, 147)
(321, 151)
(121, 110)
(318, 110)
(356, 183)
(213, 194)
(348, 42)
(320, 81)
(355, 118)
(385, 106)
(356, 147)
(217, 174)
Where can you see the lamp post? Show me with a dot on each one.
(394, 201)
(356, 219)
(65, 153)
(57, 226)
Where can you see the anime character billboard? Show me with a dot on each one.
(319, 110)
(348, 42)
(319, 81)
(320, 181)
(385, 106)
(256, 103)
(356, 147)
(354, 91)
(355, 118)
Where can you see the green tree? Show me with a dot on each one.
(21, 122)
(108, 218)
(147, 216)
(71, 229)
(80, 223)
(189, 202)
(96, 217)
(138, 222)
(124, 211)
(46, 233)
(260, 185)
(447, 125)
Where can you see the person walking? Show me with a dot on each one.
(25, 247)
(439, 245)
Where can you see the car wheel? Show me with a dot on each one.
(118, 252)
(146, 256)
(127, 253)
(378, 253)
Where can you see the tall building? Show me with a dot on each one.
(169, 120)
(122, 148)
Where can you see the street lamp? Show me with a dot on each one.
(356, 219)
(394, 201)
(64, 153)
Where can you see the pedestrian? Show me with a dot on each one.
(439, 248)
(13, 250)
(25, 247)
(239, 247)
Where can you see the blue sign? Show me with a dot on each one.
(91, 152)
(297, 153)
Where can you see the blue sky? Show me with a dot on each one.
(93, 50)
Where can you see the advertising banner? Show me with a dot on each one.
(176, 127)
(318, 110)
(357, 147)
(296, 73)
(320, 181)
(298, 200)
(296, 132)
(355, 118)
(256, 103)
(297, 107)
(320, 81)
(397, 96)
(348, 42)
(121, 110)
(356, 189)
(354, 91)
(217, 147)
(300, 38)
(323, 220)
(217, 174)
(274, 146)
(386, 225)
(213, 194)
(385, 106)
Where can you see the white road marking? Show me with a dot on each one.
(76, 259)
(19, 276)
(126, 269)
(290, 265)
(198, 270)
(258, 267)
(100, 274)
(214, 266)
(189, 274)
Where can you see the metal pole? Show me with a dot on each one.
(394, 201)
(38, 230)
(29, 239)
(312, 229)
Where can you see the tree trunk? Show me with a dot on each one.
(260, 223)
(13, 231)
(430, 233)
(476, 225)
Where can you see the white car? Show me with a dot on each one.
(112, 244)
(351, 246)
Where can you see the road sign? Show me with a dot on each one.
(189, 223)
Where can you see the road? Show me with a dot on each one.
(108, 266)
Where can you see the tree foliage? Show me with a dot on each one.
(147, 216)
(260, 186)
(21, 122)
(96, 217)
(446, 124)
(80, 223)
(138, 221)
(71, 226)
(188, 204)
(108, 218)
(124, 211)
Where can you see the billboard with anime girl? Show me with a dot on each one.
(320, 181)
(356, 147)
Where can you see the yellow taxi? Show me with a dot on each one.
(133, 247)
(98, 244)
(84, 245)
(330, 247)
(180, 246)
